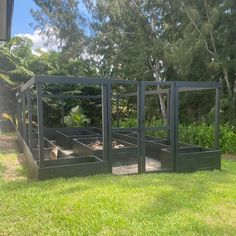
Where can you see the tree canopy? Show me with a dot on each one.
(149, 40)
(136, 40)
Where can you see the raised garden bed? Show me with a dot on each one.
(69, 167)
(47, 149)
(191, 159)
(121, 150)
(153, 145)
(64, 138)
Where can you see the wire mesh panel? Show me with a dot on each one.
(135, 128)
(156, 124)
(124, 142)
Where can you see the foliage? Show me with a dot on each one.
(152, 40)
(6, 117)
(64, 21)
(6, 79)
(196, 133)
(14, 58)
(138, 40)
(18, 64)
(127, 123)
(203, 135)
(76, 118)
(92, 107)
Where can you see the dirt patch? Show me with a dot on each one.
(98, 145)
(7, 143)
(11, 158)
(13, 170)
(230, 157)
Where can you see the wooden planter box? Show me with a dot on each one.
(47, 149)
(191, 159)
(70, 167)
(153, 145)
(64, 138)
(127, 153)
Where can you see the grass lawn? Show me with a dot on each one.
(150, 204)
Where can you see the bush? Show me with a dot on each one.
(203, 135)
(76, 118)
(199, 134)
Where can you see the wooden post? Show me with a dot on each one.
(20, 115)
(174, 107)
(18, 111)
(23, 116)
(141, 132)
(117, 111)
(217, 119)
(109, 126)
(30, 127)
(62, 112)
(168, 115)
(106, 125)
(40, 124)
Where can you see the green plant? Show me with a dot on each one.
(203, 135)
(200, 134)
(128, 123)
(76, 118)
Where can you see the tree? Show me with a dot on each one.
(63, 23)
(209, 41)
(150, 40)
(14, 58)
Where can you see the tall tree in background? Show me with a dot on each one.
(208, 46)
(18, 64)
(209, 28)
(149, 40)
(128, 36)
(63, 23)
(131, 37)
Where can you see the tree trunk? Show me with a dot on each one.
(226, 78)
(160, 96)
(163, 107)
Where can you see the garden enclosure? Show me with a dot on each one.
(119, 150)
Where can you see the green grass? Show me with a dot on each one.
(201, 203)
(2, 169)
(184, 204)
(8, 133)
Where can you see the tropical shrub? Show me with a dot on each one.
(195, 133)
(203, 135)
(76, 118)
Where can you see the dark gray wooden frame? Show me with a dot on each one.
(64, 139)
(175, 87)
(81, 147)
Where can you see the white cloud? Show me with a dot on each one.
(39, 41)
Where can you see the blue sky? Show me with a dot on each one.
(21, 21)
(22, 17)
